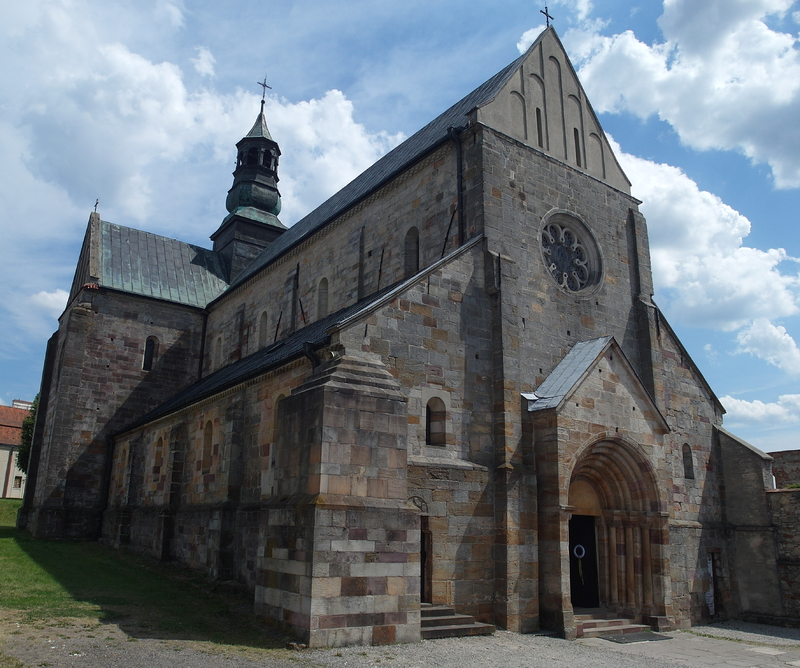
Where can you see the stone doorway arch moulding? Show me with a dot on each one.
(631, 526)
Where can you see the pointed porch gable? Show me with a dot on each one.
(600, 468)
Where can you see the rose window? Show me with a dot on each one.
(566, 257)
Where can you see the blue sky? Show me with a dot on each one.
(140, 104)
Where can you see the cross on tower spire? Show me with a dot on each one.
(547, 17)
(264, 86)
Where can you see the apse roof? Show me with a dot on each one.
(150, 265)
(401, 157)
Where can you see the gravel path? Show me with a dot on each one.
(80, 644)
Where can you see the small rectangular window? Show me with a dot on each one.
(17, 482)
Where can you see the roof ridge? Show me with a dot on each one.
(405, 154)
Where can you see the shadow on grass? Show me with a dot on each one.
(46, 581)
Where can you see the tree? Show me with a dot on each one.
(24, 452)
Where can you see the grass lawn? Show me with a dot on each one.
(45, 581)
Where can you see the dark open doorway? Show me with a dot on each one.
(583, 562)
(425, 559)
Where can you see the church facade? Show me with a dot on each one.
(448, 384)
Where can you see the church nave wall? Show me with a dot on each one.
(358, 253)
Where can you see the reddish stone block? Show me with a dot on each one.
(383, 635)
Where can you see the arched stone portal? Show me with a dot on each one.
(613, 491)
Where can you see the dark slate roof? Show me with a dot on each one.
(153, 266)
(568, 372)
(260, 362)
(401, 157)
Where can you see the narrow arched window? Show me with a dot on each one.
(262, 330)
(208, 437)
(252, 156)
(435, 422)
(411, 253)
(539, 133)
(150, 353)
(688, 462)
(158, 459)
(577, 136)
(322, 298)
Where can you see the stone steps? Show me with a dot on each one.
(442, 621)
(596, 623)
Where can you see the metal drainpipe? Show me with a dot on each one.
(453, 134)
(202, 345)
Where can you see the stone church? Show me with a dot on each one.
(447, 385)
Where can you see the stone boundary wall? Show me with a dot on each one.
(784, 507)
(786, 468)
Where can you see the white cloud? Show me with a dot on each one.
(529, 37)
(86, 116)
(701, 267)
(771, 343)
(113, 124)
(323, 148)
(51, 303)
(204, 62)
(582, 8)
(786, 409)
(170, 11)
(722, 79)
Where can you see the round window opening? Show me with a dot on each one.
(570, 253)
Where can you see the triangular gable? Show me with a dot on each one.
(571, 371)
(543, 105)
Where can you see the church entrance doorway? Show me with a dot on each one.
(584, 588)
(616, 532)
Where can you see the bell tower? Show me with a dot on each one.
(253, 201)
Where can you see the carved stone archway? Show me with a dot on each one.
(613, 481)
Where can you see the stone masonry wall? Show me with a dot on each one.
(784, 506)
(339, 563)
(695, 487)
(359, 253)
(435, 338)
(786, 468)
(456, 503)
(753, 562)
(99, 386)
(520, 186)
(206, 511)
